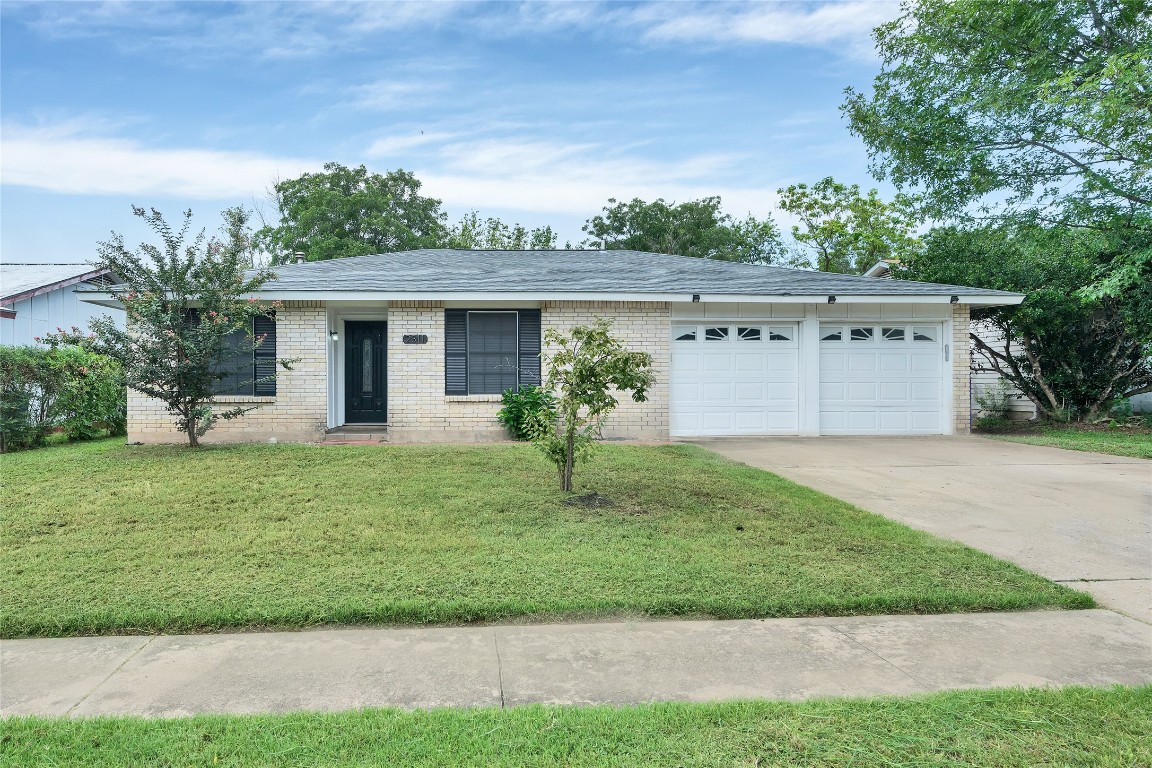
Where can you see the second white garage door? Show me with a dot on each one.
(881, 378)
(735, 378)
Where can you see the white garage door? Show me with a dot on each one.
(735, 378)
(881, 378)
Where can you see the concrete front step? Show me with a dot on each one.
(375, 433)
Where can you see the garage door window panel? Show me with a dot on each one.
(892, 334)
(862, 334)
(750, 333)
(684, 333)
(832, 334)
(716, 333)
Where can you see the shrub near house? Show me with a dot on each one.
(44, 389)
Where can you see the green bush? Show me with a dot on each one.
(66, 388)
(523, 407)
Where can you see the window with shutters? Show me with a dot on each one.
(487, 352)
(250, 371)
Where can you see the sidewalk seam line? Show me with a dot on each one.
(499, 666)
(907, 674)
(119, 667)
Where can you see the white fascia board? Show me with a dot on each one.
(842, 298)
(536, 296)
(108, 300)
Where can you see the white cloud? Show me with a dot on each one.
(302, 29)
(390, 146)
(849, 23)
(578, 178)
(528, 175)
(61, 159)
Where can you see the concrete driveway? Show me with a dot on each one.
(1074, 517)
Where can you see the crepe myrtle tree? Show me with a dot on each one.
(184, 301)
(586, 364)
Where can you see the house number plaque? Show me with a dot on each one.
(415, 338)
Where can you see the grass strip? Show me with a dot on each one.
(1003, 728)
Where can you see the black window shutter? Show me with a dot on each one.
(455, 351)
(529, 350)
(264, 356)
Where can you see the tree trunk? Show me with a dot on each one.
(569, 460)
(190, 420)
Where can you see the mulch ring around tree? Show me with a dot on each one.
(591, 500)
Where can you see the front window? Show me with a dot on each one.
(492, 355)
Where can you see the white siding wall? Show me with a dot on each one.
(43, 314)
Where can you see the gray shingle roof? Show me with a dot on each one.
(445, 270)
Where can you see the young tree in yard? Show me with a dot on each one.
(696, 228)
(351, 212)
(845, 231)
(583, 366)
(491, 233)
(1025, 110)
(184, 303)
(1073, 357)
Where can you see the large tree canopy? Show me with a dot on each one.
(1073, 357)
(1033, 108)
(842, 230)
(695, 228)
(351, 212)
(1047, 101)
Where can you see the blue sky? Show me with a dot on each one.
(534, 112)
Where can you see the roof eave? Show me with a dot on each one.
(55, 286)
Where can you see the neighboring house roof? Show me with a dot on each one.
(23, 281)
(448, 271)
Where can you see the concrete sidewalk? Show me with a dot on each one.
(610, 663)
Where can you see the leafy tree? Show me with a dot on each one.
(183, 301)
(350, 212)
(491, 233)
(1072, 357)
(1035, 109)
(696, 228)
(845, 231)
(584, 365)
(65, 388)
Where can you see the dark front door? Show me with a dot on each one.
(365, 377)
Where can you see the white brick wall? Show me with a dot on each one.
(642, 327)
(297, 413)
(961, 370)
(418, 409)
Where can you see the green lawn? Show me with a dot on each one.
(1000, 729)
(1119, 442)
(101, 538)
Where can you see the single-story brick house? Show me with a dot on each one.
(426, 341)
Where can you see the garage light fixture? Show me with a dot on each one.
(831, 299)
(955, 299)
(334, 335)
(696, 297)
